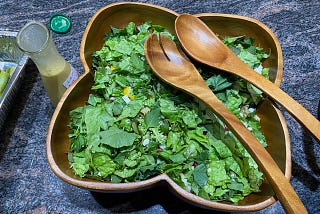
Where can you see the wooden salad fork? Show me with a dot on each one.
(171, 65)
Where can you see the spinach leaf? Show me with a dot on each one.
(200, 175)
(152, 118)
(117, 138)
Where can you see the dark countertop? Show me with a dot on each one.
(27, 184)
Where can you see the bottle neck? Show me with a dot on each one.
(36, 41)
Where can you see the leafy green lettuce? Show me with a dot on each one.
(134, 126)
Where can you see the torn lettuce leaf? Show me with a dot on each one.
(134, 126)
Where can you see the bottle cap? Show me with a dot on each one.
(59, 23)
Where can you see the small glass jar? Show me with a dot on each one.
(56, 73)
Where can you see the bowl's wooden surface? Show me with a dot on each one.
(119, 15)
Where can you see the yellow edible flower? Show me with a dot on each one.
(131, 96)
(127, 92)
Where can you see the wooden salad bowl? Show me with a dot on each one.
(119, 15)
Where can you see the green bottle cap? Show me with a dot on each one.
(60, 23)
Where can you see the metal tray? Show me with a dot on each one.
(10, 53)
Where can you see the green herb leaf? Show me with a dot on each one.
(104, 164)
(117, 138)
(152, 118)
(177, 158)
(218, 83)
(200, 175)
(131, 109)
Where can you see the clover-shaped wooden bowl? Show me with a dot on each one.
(119, 15)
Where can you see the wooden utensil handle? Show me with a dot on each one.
(303, 116)
(281, 186)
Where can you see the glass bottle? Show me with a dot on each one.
(56, 73)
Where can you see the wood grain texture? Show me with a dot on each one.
(203, 45)
(27, 183)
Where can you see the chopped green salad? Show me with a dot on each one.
(134, 126)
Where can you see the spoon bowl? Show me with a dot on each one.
(168, 63)
(203, 45)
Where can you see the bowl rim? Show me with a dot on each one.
(135, 186)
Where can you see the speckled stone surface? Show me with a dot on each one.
(27, 185)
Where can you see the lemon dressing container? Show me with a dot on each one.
(35, 39)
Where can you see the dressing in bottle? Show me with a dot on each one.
(56, 73)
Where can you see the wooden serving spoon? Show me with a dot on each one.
(171, 65)
(203, 45)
